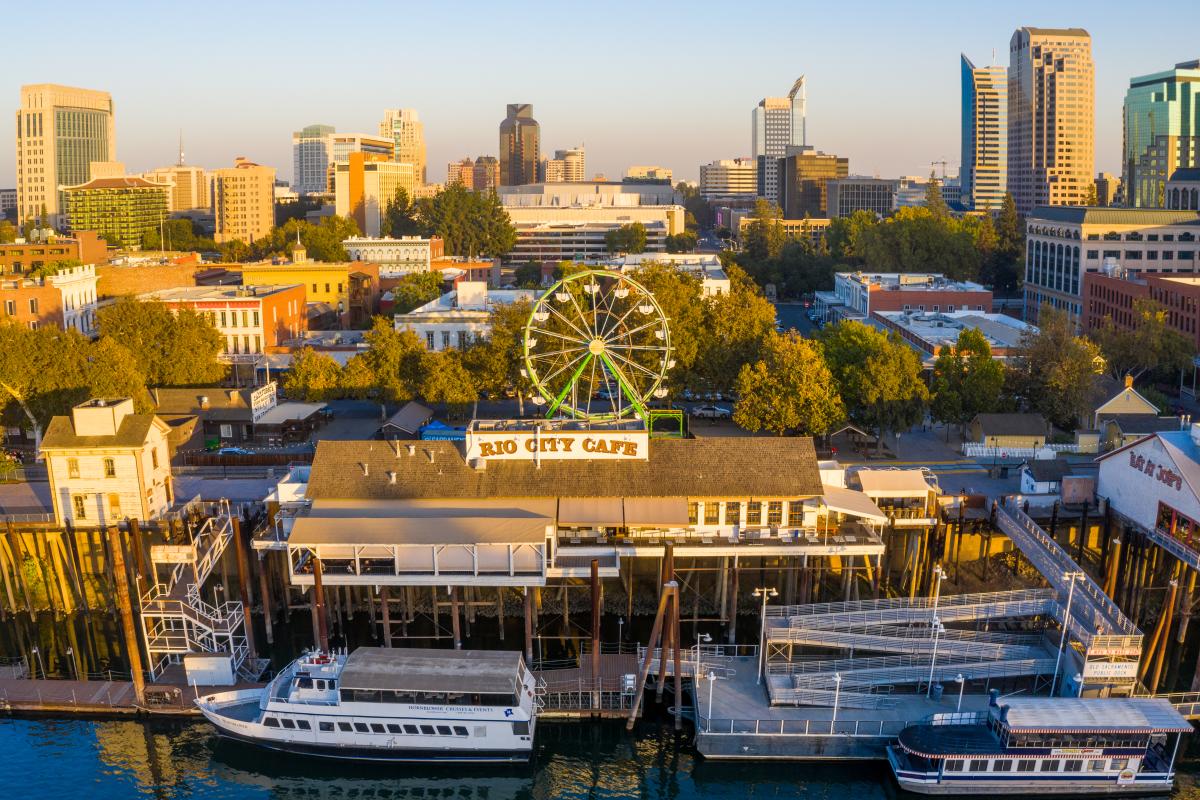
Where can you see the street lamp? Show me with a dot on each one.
(71, 661)
(1071, 577)
(38, 655)
(620, 632)
(712, 678)
(961, 680)
(706, 639)
(940, 574)
(764, 592)
(837, 694)
(938, 629)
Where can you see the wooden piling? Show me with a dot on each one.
(595, 575)
(528, 626)
(677, 659)
(125, 607)
(318, 607)
(243, 574)
(385, 605)
(1165, 615)
(455, 624)
(644, 672)
(265, 592)
(500, 611)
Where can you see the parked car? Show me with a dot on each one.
(234, 451)
(608, 394)
(711, 412)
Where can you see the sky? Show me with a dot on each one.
(662, 83)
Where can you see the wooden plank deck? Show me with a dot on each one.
(101, 698)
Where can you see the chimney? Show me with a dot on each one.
(366, 468)
(1128, 381)
(204, 402)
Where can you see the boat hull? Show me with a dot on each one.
(382, 755)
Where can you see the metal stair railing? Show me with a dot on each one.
(945, 601)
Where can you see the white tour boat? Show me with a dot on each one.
(1044, 746)
(383, 704)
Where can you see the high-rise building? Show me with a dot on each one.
(567, 166)
(462, 173)
(641, 173)
(243, 198)
(776, 124)
(520, 143)
(120, 210)
(729, 180)
(1162, 132)
(189, 187)
(312, 150)
(1108, 189)
(844, 196)
(404, 127)
(984, 136)
(803, 174)
(1051, 117)
(486, 175)
(366, 184)
(61, 130)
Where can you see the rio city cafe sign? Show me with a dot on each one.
(558, 445)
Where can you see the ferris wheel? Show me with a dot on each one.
(597, 346)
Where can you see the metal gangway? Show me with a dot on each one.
(176, 620)
(917, 639)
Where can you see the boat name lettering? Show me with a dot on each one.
(442, 709)
(1077, 751)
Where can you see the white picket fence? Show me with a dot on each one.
(977, 450)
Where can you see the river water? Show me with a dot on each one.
(97, 760)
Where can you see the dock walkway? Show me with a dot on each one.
(101, 698)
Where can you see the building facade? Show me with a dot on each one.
(460, 317)
(19, 259)
(349, 291)
(366, 185)
(189, 187)
(120, 210)
(243, 201)
(486, 174)
(396, 257)
(404, 127)
(803, 175)
(776, 124)
(567, 166)
(1051, 117)
(1162, 132)
(462, 173)
(863, 293)
(61, 130)
(844, 196)
(8, 203)
(1108, 189)
(929, 332)
(520, 146)
(251, 319)
(1063, 244)
(1110, 295)
(312, 151)
(65, 299)
(984, 165)
(107, 464)
(646, 172)
(729, 180)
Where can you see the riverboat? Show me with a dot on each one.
(384, 704)
(1044, 746)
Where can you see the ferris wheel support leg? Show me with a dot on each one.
(634, 401)
(558, 401)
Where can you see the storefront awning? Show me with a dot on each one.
(289, 412)
(855, 504)
(892, 483)
(583, 512)
(656, 512)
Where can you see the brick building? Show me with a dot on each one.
(85, 246)
(1111, 296)
(64, 300)
(859, 294)
(251, 319)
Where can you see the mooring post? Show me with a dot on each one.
(243, 571)
(385, 605)
(528, 626)
(125, 606)
(455, 624)
(135, 541)
(731, 636)
(677, 665)
(264, 591)
(644, 672)
(318, 607)
(596, 634)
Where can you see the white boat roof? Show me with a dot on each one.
(1099, 715)
(430, 670)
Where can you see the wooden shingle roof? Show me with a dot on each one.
(713, 467)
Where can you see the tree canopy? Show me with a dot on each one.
(679, 295)
(733, 327)
(172, 347)
(470, 223)
(313, 377)
(764, 237)
(392, 360)
(966, 380)
(415, 290)
(497, 362)
(789, 389)
(1151, 345)
(445, 381)
(629, 238)
(400, 217)
(1054, 370)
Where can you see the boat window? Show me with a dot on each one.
(289, 724)
(427, 730)
(443, 730)
(321, 685)
(394, 728)
(520, 729)
(304, 683)
(411, 730)
(432, 698)
(979, 765)
(361, 727)
(303, 725)
(1050, 765)
(325, 726)
(1118, 763)
(345, 726)
(459, 730)
(954, 766)
(376, 728)
(1026, 765)
(1073, 765)
(1002, 765)
(1096, 766)
(332, 685)
(270, 722)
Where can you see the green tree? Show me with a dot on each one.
(400, 216)
(235, 251)
(8, 232)
(966, 380)
(695, 206)
(470, 223)
(1092, 199)
(843, 233)
(734, 326)
(629, 238)
(497, 363)
(1151, 345)
(447, 382)
(1054, 370)
(914, 238)
(172, 347)
(681, 242)
(679, 295)
(934, 202)
(763, 237)
(313, 377)
(528, 275)
(1003, 269)
(788, 390)
(46, 269)
(878, 376)
(415, 290)
(356, 379)
(393, 360)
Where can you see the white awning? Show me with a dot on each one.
(893, 483)
(656, 512)
(855, 504)
(287, 412)
(580, 512)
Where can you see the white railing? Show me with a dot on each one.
(977, 450)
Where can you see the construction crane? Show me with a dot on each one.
(943, 162)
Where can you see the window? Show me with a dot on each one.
(520, 728)
(1049, 765)
(733, 512)
(110, 468)
(445, 340)
(1002, 765)
(693, 513)
(255, 319)
(303, 725)
(345, 727)
(10, 307)
(1073, 765)
(327, 288)
(775, 512)
(459, 730)
(80, 506)
(114, 505)
(339, 288)
(289, 724)
(712, 512)
(33, 305)
(954, 766)
(394, 728)
(305, 683)
(270, 722)
(361, 727)
(376, 728)
(754, 513)
(314, 288)
(1096, 766)
(226, 431)
(1118, 764)
(72, 467)
(427, 730)
(325, 726)
(223, 323)
(1026, 765)
(154, 458)
(429, 340)
(411, 730)
(979, 765)
(443, 730)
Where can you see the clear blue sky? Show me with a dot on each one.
(638, 83)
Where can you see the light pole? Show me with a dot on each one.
(938, 573)
(704, 638)
(71, 661)
(938, 628)
(1071, 577)
(38, 655)
(712, 678)
(620, 632)
(764, 592)
(1079, 684)
(961, 680)
(837, 695)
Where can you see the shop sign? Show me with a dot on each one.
(1110, 669)
(1160, 472)
(262, 400)
(558, 446)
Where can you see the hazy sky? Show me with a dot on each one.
(661, 83)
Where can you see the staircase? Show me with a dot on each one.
(177, 621)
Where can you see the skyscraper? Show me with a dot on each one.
(1162, 131)
(776, 124)
(984, 136)
(1051, 117)
(486, 174)
(520, 143)
(243, 199)
(462, 173)
(61, 130)
(404, 127)
(567, 166)
(312, 151)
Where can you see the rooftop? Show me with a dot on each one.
(208, 294)
(126, 182)
(1188, 174)
(911, 281)
(942, 328)
(429, 670)
(1012, 424)
(1091, 215)
(1113, 714)
(134, 428)
(1142, 423)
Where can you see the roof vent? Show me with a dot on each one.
(412, 449)
(366, 468)
(204, 401)
(430, 454)
(392, 478)
(477, 463)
